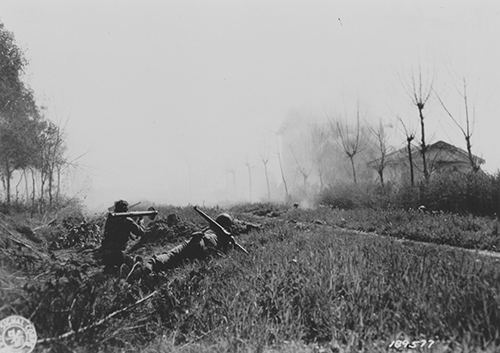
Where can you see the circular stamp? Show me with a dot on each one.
(17, 335)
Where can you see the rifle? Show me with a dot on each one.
(218, 229)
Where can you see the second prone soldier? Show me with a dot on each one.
(213, 240)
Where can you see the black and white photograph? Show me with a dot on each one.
(244, 176)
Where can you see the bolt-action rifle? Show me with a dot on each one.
(219, 230)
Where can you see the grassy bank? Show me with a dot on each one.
(340, 290)
(301, 288)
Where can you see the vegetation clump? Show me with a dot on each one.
(458, 192)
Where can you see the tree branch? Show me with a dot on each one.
(97, 323)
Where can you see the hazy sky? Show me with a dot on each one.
(165, 96)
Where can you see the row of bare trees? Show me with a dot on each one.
(360, 141)
(32, 148)
(420, 93)
(467, 130)
(314, 155)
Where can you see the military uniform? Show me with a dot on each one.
(236, 226)
(213, 240)
(117, 232)
(200, 246)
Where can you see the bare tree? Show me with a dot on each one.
(350, 141)
(249, 167)
(17, 147)
(52, 159)
(64, 164)
(303, 170)
(56, 164)
(26, 187)
(287, 194)
(383, 149)
(33, 190)
(420, 93)
(265, 161)
(319, 138)
(467, 131)
(410, 135)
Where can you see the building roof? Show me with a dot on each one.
(441, 151)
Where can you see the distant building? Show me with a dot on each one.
(440, 156)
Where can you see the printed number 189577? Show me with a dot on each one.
(412, 345)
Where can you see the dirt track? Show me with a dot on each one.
(486, 253)
(408, 242)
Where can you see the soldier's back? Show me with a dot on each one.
(116, 233)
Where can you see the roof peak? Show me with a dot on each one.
(436, 145)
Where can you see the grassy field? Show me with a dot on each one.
(465, 231)
(305, 287)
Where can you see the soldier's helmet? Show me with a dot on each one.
(121, 206)
(225, 220)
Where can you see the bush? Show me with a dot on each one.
(475, 193)
(458, 192)
(75, 232)
(350, 196)
(13, 208)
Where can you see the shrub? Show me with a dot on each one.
(458, 192)
(74, 232)
(475, 193)
(350, 196)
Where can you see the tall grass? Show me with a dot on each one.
(457, 192)
(337, 287)
(315, 286)
(466, 231)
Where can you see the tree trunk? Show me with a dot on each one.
(26, 187)
(33, 192)
(8, 176)
(8, 188)
(3, 182)
(267, 182)
(473, 164)
(43, 179)
(58, 191)
(423, 145)
(410, 158)
(381, 176)
(17, 187)
(283, 178)
(51, 181)
(353, 170)
(42, 185)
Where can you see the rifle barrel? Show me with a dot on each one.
(220, 228)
